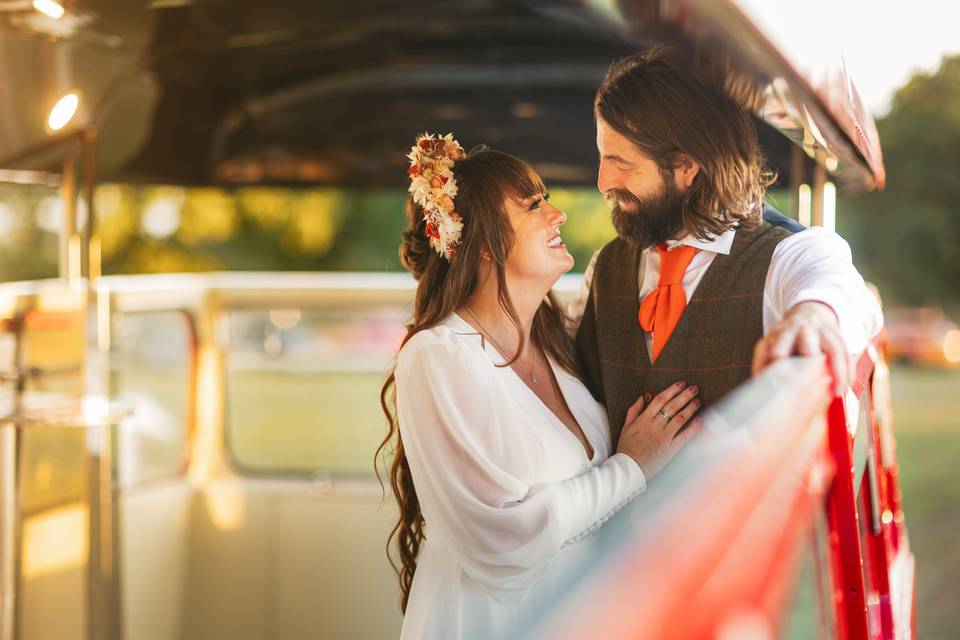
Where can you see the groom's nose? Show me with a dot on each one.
(607, 177)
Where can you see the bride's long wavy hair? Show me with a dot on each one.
(485, 178)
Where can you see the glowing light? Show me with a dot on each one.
(951, 346)
(95, 408)
(49, 8)
(55, 541)
(161, 217)
(829, 206)
(805, 209)
(63, 111)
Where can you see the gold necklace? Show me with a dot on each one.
(533, 361)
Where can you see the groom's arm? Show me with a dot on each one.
(815, 301)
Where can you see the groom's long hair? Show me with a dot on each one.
(484, 178)
(670, 107)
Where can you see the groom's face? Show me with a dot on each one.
(645, 204)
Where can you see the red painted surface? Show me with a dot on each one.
(718, 556)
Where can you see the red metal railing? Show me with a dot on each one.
(712, 551)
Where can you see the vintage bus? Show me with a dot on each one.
(187, 456)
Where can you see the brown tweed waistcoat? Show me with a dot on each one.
(712, 344)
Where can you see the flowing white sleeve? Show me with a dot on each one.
(816, 265)
(503, 532)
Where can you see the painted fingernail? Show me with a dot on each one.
(681, 384)
(694, 388)
(648, 396)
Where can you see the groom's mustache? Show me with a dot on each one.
(620, 199)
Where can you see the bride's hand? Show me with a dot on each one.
(649, 437)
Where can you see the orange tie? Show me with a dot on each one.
(661, 309)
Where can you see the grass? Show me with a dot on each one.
(926, 405)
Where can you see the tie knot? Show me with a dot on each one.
(673, 264)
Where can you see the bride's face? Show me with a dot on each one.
(538, 251)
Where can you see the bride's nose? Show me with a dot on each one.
(559, 218)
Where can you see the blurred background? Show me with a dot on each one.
(905, 240)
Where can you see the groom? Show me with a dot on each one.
(702, 285)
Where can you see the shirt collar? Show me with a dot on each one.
(717, 244)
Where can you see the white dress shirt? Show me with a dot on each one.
(812, 265)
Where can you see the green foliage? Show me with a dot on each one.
(906, 238)
(27, 252)
(162, 229)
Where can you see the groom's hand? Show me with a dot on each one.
(809, 328)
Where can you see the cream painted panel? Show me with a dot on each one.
(331, 577)
(154, 533)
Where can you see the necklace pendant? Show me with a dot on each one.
(534, 378)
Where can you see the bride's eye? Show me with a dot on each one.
(535, 204)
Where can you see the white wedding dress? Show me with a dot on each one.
(505, 488)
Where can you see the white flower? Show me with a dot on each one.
(450, 188)
(420, 188)
(437, 202)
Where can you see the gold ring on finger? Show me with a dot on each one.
(666, 416)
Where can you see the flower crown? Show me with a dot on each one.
(433, 187)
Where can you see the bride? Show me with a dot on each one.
(501, 458)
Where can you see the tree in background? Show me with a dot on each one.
(165, 229)
(906, 238)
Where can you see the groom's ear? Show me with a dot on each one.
(685, 170)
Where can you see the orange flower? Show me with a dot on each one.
(454, 151)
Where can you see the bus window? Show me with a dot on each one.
(152, 363)
(303, 387)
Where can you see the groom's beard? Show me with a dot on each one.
(647, 221)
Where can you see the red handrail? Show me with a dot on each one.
(712, 550)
